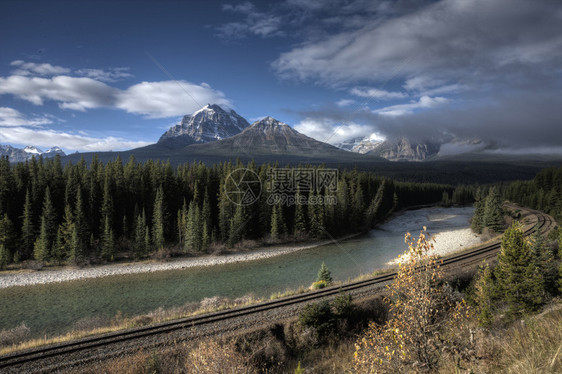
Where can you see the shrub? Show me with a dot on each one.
(320, 284)
(319, 317)
(14, 336)
(342, 305)
(211, 357)
(425, 323)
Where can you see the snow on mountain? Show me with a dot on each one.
(33, 150)
(361, 144)
(25, 154)
(208, 124)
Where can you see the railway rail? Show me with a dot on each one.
(15, 361)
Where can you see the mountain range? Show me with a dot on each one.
(25, 154)
(213, 134)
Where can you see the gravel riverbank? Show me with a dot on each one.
(65, 275)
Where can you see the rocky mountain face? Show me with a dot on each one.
(402, 149)
(208, 124)
(22, 155)
(267, 136)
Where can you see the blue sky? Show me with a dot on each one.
(112, 75)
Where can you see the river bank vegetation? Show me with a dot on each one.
(85, 214)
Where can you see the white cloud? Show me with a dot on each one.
(332, 132)
(168, 98)
(377, 94)
(71, 92)
(401, 109)
(111, 75)
(151, 99)
(345, 102)
(31, 68)
(10, 117)
(48, 138)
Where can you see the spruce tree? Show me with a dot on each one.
(324, 274)
(80, 228)
(107, 241)
(140, 249)
(76, 255)
(4, 257)
(299, 226)
(483, 293)
(237, 226)
(42, 247)
(66, 228)
(7, 236)
(519, 279)
(27, 228)
(206, 222)
(193, 228)
(316, 218)
(47, 233)
(158, 219)
(278, 227)
(544, 260)
(493, 212)
(477, 223)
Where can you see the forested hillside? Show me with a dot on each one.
(543, 193)
(94, 211)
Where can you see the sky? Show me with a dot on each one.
(114, 75)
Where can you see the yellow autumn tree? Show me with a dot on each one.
(426, 320)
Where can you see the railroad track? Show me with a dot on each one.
(15, 360)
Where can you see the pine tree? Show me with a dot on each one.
(7, 236)
(374, 213)
(44, 243)
(76, 255)
(278, 227)
(206, 222)
(27, 228)
(80, 229)
(237, 226)
(63, 246)
(158, 219)
(299, 226)
(107, 241)
(483, 292)
(42, 247)
(316, 218)
(140, 249)
(193, 228)
(493, 212)
(518, 277)
(324, 274)
(4, 257)
(477, 223)
(544, 260)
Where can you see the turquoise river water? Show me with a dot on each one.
(54, 308)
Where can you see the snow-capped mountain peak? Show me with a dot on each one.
(207, 124)
(32, 149)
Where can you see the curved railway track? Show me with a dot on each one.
(13, 362)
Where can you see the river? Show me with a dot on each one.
(54, 308)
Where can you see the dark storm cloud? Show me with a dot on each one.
(468, 68)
